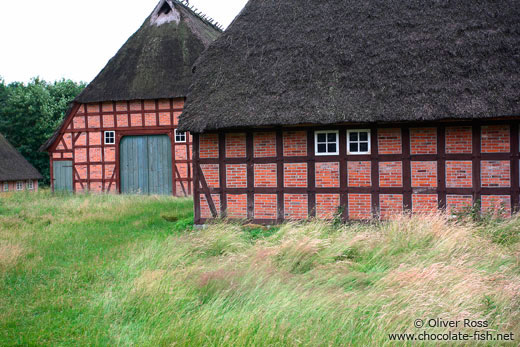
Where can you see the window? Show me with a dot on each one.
(19, 185)
(6, 186)
(110, 137)
(30, 185)
(180, 136)
(358, 142)
(326, 142)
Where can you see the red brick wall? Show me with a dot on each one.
(332, 181)
(94, 162)
(12, 186)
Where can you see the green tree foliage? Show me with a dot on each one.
(30, 113)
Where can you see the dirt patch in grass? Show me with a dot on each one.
(10, 254)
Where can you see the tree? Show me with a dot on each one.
(30, 113)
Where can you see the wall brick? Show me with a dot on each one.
(237, 206)
(94, 139)
(458, 203)
(236, 176)
(150, 119)
(149, 105)
(294, 143)
(183, 169)
(425, 203)
(424, 174)
(122, 120)
(107, 107)
(208, 146)
(109, 171)
(121, 106)
(95, 155)
(495, 173)
(96, 172)
(205, 211)
(235, 145)
(176, 116)
(81, 109)
(67, 138)
(80, 155)
(93, 108)
(136, 120)
(110, 154)
(459, 174)
(164, 118)
(266, 206)
(296, 206)
(265, 175)
(264, 145)
(211, 174)
(496, 139)
(459, 140)
(391, 174)
(94, 122)
(164, 104)
(327, 205)
(79, 122)
(423, 141)
(181, 153)
(135, 105)
(295, 175)
(389, 141)
(56, 155)
(360, 206)
(327, 175)
(390, 206)
(81, 171)
(82, 140)
(498, 205)
(68, 155)
(359, 173)
(108, 121)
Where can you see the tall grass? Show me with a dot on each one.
(110, 270)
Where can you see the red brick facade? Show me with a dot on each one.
(96, 164)
(275, 175)
(18, 186)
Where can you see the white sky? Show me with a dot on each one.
(74, 39)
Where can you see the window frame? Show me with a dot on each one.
(176, 133)
(19, 186)
(5, 187)
(318, 132)
(113, 137)
(369, 139)
(30, 185)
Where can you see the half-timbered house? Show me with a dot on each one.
(120, 134)
(358, 109)
(16, 173)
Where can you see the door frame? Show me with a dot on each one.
(122, 133)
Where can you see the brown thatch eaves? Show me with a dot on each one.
(13, 166)
(323, 62)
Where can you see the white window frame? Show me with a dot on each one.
(112, 137)
(19, 185)
(316, 133)
(176, 133)
(6, 186)
(369, 141)
(30, 185)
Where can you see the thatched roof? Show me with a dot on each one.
(156, 61)
(322, 62)
(13, 166)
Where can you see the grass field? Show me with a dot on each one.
(112, 270)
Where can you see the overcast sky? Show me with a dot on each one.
(74, 39)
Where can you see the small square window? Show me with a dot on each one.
(19, 185)
(110, 137)
(6, 186)
(358, 142)
(180, 136)
(30, 185)
(327, 142)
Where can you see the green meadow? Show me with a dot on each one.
(132, 271)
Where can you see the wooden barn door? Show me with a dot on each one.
(146, 165)
(62, 175)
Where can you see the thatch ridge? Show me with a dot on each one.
(13, 166)
(324, 62)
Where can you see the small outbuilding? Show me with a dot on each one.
(120, 134)
(358, 109)
(16, 173)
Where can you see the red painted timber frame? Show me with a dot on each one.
(200, 185)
